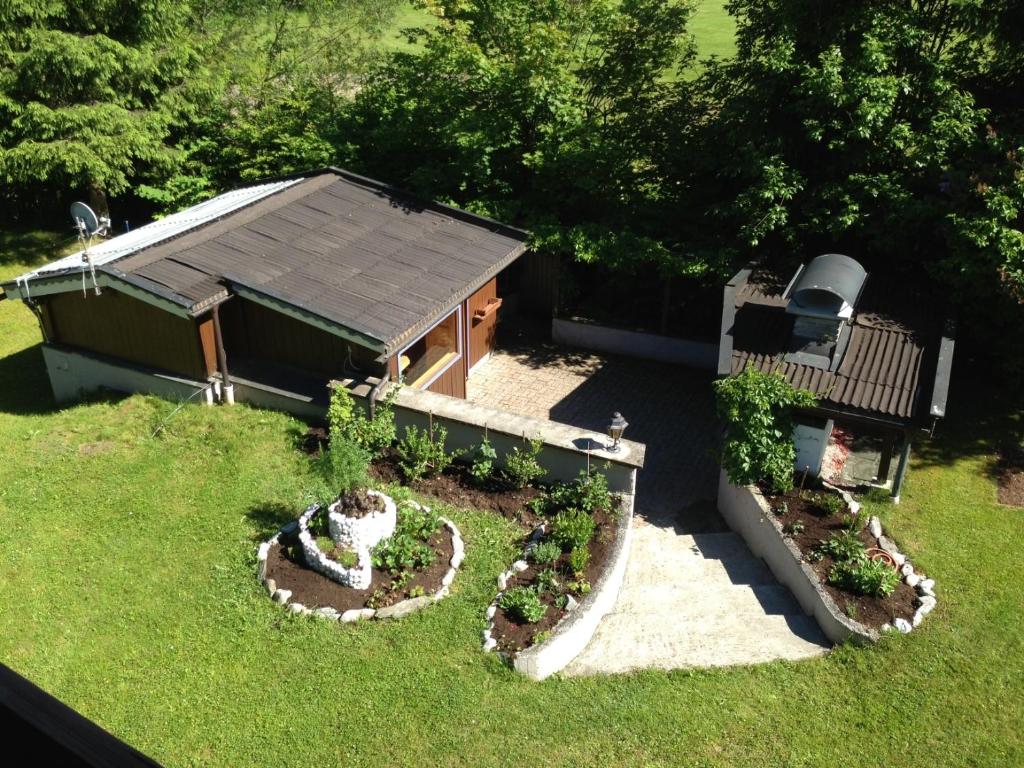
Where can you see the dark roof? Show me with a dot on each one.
(353, 251)
(887, 369)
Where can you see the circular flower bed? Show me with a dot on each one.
(378, 560)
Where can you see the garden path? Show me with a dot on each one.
(693, 594)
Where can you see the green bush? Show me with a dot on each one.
(579, 559)
(546, 581)
(344, 466)
(347, 421)
(830, 503)
(587, 492)
(402, 552)
(757, 410)
(572, 529)
(842, 547)
(522, 605)
(422, 453)
(865, 577)
(483, 462)
(546, 552)
(521, 465)
(419, 523)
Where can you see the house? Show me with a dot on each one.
(878, 365)
(267, 292)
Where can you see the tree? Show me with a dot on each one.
(88, 92)
(757, 409)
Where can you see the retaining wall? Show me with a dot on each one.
(648, 346)
(747, 513)
(566, 451)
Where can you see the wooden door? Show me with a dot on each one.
(481, 323)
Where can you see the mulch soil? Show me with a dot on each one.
(513, 637)
(819, 527)
(287, 567)
(1011, 477)
(457, 487)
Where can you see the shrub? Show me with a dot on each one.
(546, 581)
(347, 421)
(521, 465)
(546, 552)
(587, 492)
(421, 453)
(842, 547)
(830, 503)
(757, 410)
(522, 605)
(419, 523)
(572, 529)
(483, 462)
(579, 558)
(344, 466)
(865, 577)
(402, 552)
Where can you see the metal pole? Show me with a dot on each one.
(901, 470)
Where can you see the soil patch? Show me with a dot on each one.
(456, 486)
(286, 566)
(818, 527)
(513, 637)
(1011, 477)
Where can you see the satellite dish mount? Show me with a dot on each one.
(88, 225)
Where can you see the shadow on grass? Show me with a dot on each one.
(26, 387)
(34, 247)
(269, 518)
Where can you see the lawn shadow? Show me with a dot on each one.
(26, 387)
(269, 518)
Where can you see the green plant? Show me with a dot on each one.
(400, 580)
(522, 605)
(572, 529)
(318, 525)
(373, 434)
(419, 523)
(521, 465)
(842, 547)
(850, 609)
(546, 552)
(579, 586)
(324, 543)
(587, 492)
(343, 466)
(579, 558)
(402, 552)
(794, 528)
(483, 462)
(865, 577)
(830, 503)
(417, 591)
(421, 453)
(346, 558)
(781, 509)
(757, 410)
(546, 581)
(378, 599)
(542, 637)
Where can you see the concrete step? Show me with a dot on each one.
(696, 601)
(626, 641)
(683, 568)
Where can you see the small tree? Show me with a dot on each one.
(757, 410)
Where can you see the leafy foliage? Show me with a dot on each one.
(421, 453)
(521, 465)
(865, 577)
(546, 552)
(588, 492)
(757, 410)
(343, 466)
(522, 605)
(579, 558)
(572, 529)
(844, 546)
(374, 434)
(482, 468)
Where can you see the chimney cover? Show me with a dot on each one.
(829, 286)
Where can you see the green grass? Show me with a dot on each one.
(713, 29)
(128, 589)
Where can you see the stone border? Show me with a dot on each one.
(398, 610)
(746, 511)
(571, 635)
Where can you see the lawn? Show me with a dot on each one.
(128, 589)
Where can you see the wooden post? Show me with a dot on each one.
(901, 469)
(227, 388)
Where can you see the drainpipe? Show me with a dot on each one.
(901, 470)
(227, 388)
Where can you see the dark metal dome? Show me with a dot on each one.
(830, 283)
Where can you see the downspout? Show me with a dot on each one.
(227, 396)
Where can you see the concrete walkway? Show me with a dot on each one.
(693, 595)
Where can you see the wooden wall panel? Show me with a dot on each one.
(452, 382)
(252, 330)
(481, 334)
(123, 327)
(208, 340)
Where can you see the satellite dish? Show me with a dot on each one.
(85, 219)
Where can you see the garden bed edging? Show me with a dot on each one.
(576, 629)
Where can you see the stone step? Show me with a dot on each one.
(628, 641)
(683, 568)
(696, 601)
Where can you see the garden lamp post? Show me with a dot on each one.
(615, 429)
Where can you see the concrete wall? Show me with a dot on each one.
(747, 513)
(572, 634)
(73, 374)
(566, 448)
(648, 346)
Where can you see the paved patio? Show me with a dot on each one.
(693, 595)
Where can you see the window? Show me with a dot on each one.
(432, 354)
